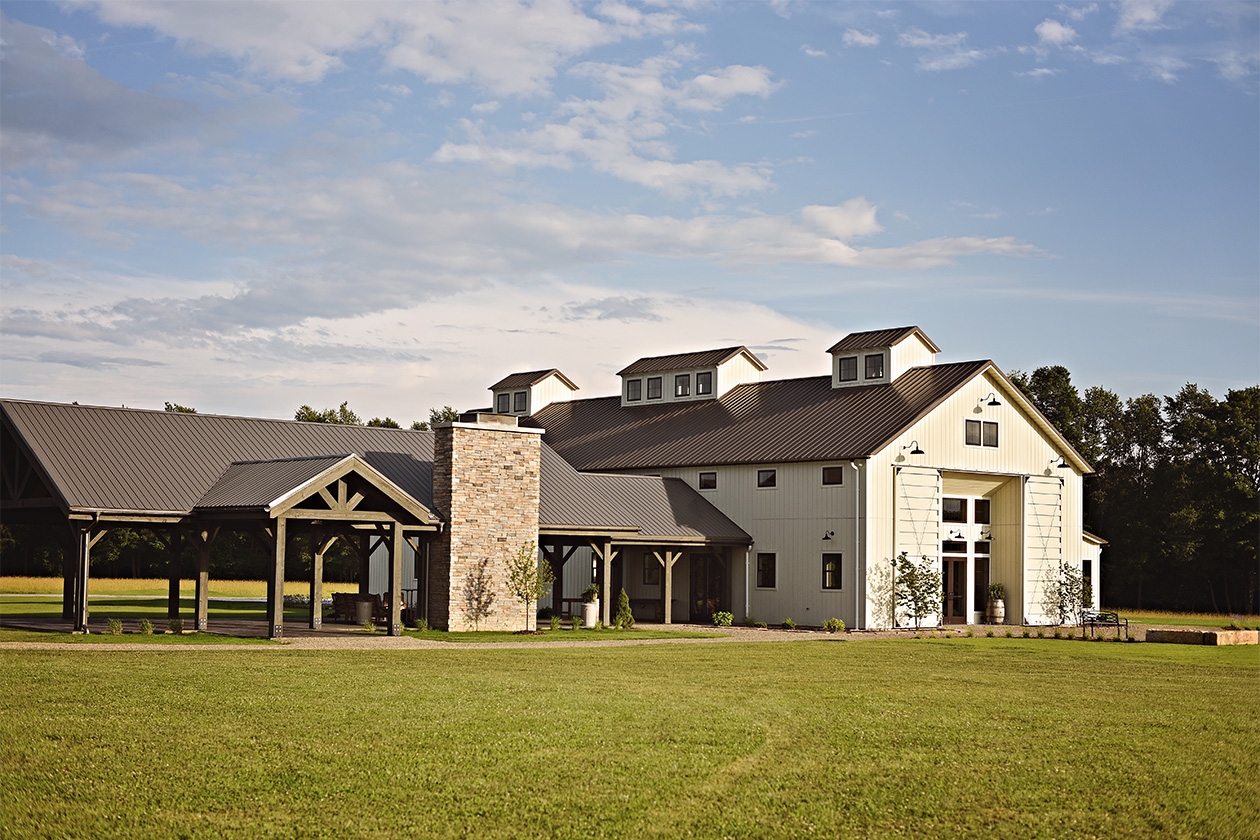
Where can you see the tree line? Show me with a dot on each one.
(1176, 492)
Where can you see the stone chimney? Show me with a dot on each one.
(486, 487)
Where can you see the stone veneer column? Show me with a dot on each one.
(486, 486)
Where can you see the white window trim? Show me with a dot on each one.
(757, 478)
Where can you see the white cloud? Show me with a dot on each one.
(485, 107)
(1077, 12)
(920, 39)
(1055, 34)
(509, 47)
(813, 53)
(623, 134)
(1142, 15)
(941, 52)
(858, 38)
(1038, 73)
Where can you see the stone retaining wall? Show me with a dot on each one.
(1204, 637)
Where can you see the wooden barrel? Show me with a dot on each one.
(997, 612)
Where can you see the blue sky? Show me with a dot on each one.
(248, 207)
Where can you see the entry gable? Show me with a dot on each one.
(337, 487)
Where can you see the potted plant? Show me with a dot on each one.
(997, 604)
(590, 606)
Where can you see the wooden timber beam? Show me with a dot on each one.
(668, 561)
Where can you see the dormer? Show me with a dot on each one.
(688, 377)
(521, 394)
(877, 357)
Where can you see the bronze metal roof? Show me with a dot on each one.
(881, 338)
(756, 423)
(132, 461)
(533, 377)
(680, 361)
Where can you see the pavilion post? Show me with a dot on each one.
(275, 591)
(365, 564)
(86, 539)
(321, 545)
(605, 607)
(201, 611)
(668, 561)
(395, 581)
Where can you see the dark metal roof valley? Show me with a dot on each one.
(256, 484)
(757, 423)
(880, 338)
(680, 361)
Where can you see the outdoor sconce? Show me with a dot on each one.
(992, 399)
(914, 448)
(827, 535)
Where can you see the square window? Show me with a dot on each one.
(848, 369)
(767, 478)
(984, 547)
(953, 510)
(682, 385)
(973, 432)
(704, 382)
(983, 511)
(833, 476)
(518, 401)
(503, 403)
(654, 387)
(989, 436)
(634, 390)
(708, 481)
(875, 366)
(831, 570)
(766, 571)
(651, 571)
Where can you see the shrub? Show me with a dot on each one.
(997, 592)
(115, 626)
(146, 627)
(1009, 634)
(749, 621)
(947, 635)
(555, 622)
(833, 625)
(575, 622)
(988, 633)
(176, 625)
(624, 619)
(970, 632)
(1026, 633)
(590, 594)
(723, 619)
(545, 614)
(599, 625)
(422, 624)
(369, 625)
(788, 624)
(1058, 634)
(761, 625)
(1041, 634)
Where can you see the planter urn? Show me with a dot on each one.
(590, 614)
(997, 611)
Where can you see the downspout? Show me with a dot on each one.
(747, 593)
(859, 561)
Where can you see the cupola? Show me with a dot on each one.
(877, 357)
(688, 377)
(522, 394)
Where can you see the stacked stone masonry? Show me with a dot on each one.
(486, 487)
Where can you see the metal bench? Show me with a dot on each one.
(1103, 618)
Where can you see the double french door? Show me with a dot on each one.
(966, 527)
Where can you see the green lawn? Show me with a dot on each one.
(131, 610)
(981, 738)
(131, 637)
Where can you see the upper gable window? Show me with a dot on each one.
(708, 481)
(767, 478)
(634, 390)
(504, 403)
(848, 369)
(704, 383)
(875, 366)
(654, 387)
(981, 433)
(833, 476)
(682, 385)
(518, 401)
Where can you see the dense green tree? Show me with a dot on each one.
(446, 414)
(341, 415)
(182, 409)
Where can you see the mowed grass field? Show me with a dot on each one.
(957, 738)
